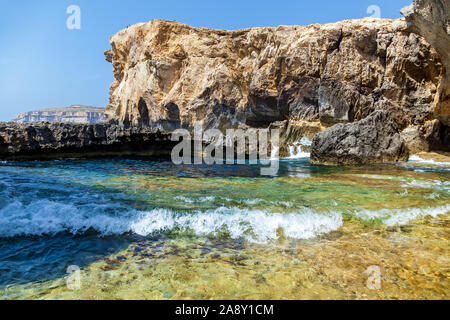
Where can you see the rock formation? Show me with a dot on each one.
(168, 75)
(431, 19)
(371, 140)
(301, 79)
(72, 114)
(58, 140)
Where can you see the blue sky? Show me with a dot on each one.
(44, 64)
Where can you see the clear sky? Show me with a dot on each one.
(44, 64)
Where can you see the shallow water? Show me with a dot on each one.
(150, 229)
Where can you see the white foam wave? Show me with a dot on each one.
(391, 217)
(256, 201)
(184, 199)
(413, 183)
(416, 158)
(253, 225)
(253, 201)
(296, 150)
(195, 200)
(250, 202)
(44, 217)
(428, 184)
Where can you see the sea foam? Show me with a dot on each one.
(296, 149)
(416, 158)
(253, 225)
(45, 217)
(392, 217)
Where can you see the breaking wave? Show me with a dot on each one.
(298, 149)
(418, 159)
(45, 217)
(253, 225)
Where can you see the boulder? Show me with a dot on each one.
(374, 139)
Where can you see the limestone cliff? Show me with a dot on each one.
(168, 75)
(72, 114)
(431, 19)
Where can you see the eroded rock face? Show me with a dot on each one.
(168, 75)
(299, 79)
(431, 19)
(60, 140)
(371, 140)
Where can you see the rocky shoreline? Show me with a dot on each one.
(332, 81)
(44, 140)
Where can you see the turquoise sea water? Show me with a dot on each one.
(75, 212)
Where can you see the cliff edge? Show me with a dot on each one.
(431, 19)
(169, 75)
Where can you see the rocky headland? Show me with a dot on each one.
(301, 79)
(71, 114)
(169, 75)
(45, 140)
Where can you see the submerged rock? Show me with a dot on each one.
(374, 139)
(45, 140)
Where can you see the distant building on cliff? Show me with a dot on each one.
(72, 114)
